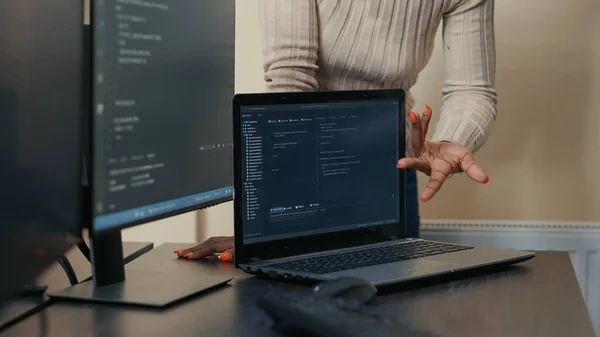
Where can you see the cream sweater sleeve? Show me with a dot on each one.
(290, 44)
(469, 98)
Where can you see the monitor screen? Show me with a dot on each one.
(162, 87)
(319, 168)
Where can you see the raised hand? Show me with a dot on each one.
(438, 160)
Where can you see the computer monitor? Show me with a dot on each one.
(40, 137)
(161, 133)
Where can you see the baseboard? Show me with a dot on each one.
(580, 239)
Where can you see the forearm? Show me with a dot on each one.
(469, 98)
(467, 116)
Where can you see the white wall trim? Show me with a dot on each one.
(546, 226)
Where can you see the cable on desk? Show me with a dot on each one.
(85, 250)
(82, 245)
(68, 268)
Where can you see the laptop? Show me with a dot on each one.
(318, 195)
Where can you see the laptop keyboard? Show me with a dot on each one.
(369, 257)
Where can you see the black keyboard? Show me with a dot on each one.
(335, 262)
(327, 317)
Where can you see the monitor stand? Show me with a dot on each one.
(33, 297)
(112, 283)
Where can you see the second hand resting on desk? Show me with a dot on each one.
(226, 256)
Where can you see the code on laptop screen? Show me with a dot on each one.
(319, 168)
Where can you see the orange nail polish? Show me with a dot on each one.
(225, 257)
(488, 181)
(413, 117)
(427, 108)
(178, 251)
(188, 254)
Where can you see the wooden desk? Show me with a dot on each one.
(539, 298)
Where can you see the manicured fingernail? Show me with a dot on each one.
(488, 181)
(225, 257)
(427, 109)
(413, 117)
(178, 251)
(188, 254)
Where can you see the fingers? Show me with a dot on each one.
(419, 164)
(436, 180)
(425, 119)
(417, 139)
(419, 128)
(473, 170)
(207, 248)
(199, 254)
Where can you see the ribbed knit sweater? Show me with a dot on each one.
(311, 45)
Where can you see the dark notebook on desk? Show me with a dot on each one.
(318, 195)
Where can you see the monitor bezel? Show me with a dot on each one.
(255, 252)
(90, 215)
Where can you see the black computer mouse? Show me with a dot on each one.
(350, 289)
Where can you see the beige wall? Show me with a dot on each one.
(545, 148)
(544, 152)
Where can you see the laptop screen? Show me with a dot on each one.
(319, 168)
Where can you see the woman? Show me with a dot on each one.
(378, 44)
